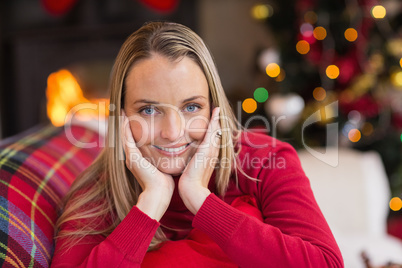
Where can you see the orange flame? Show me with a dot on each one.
(64, 93)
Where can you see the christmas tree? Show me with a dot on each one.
(347, 52)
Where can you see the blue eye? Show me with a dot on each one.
(148, 110)
(192, 108)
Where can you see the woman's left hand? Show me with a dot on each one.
(193, 183)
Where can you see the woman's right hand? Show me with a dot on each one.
(157, 187)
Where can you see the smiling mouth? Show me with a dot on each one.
(173, 150)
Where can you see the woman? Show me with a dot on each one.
(194, 190)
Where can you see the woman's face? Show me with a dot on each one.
(168, 106)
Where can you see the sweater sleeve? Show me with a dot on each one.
(293, 232)
(126, 246)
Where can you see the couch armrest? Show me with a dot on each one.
(36, 171)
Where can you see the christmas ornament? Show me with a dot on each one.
(58, 7)
(165, 6)
(286, 110)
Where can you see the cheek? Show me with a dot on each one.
(197, 128)
(141, 132)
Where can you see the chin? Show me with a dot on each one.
(172, 166)
(174, 171)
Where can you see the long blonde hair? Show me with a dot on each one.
(108, 186)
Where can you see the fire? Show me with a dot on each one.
(64, 93)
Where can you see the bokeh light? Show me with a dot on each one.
(319, 93)
(306, 29)
(249, 105)
(303, 47)
(281, 76)
(367, 129)
(347, 95)
(261, 94)
(354, 135)
(273, 69)
(346, 128)
(401, 137)
(378, 12)
(310, 17)
(351, 34)
(320, 33)
(396, 78)
(262, 12)
(332, 71)
(395, 204)
(400, 62)
(354, 117)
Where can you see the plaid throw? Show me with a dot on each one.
(36, 171)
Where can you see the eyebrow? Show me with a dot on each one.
(155, 102)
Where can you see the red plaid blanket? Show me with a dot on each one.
(36, 171)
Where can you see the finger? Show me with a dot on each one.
(129, 138)
(208, 151)
(213, 129)
(128, 141)
(216, 130)
(210, 143)
(134, 159)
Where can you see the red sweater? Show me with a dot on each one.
(273, 222)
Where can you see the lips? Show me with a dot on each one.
(171, 150)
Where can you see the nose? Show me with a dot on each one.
(172, 126)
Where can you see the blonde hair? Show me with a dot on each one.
(109, 187)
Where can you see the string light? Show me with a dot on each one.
(367, 129)
(332, 71)
(351, 34)
(347, 128)
(354, 117)
(378, 12)
(281, 76)
(319, 93)
(303, 47)
(310, 17)
(261, 94)
(273, 69)
(249, 105)
(359, 76)
(395, 204)
(306, 29)
(354, 135)
(396, 78)
(320, 33)
(262, 12)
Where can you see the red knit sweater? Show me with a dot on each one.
(273, 222)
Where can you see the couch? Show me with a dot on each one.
(353, 195)
(36, 170)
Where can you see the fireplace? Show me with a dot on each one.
(33, 48)
(65, 96)
(39, 56)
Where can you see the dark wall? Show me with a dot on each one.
(34, 43)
